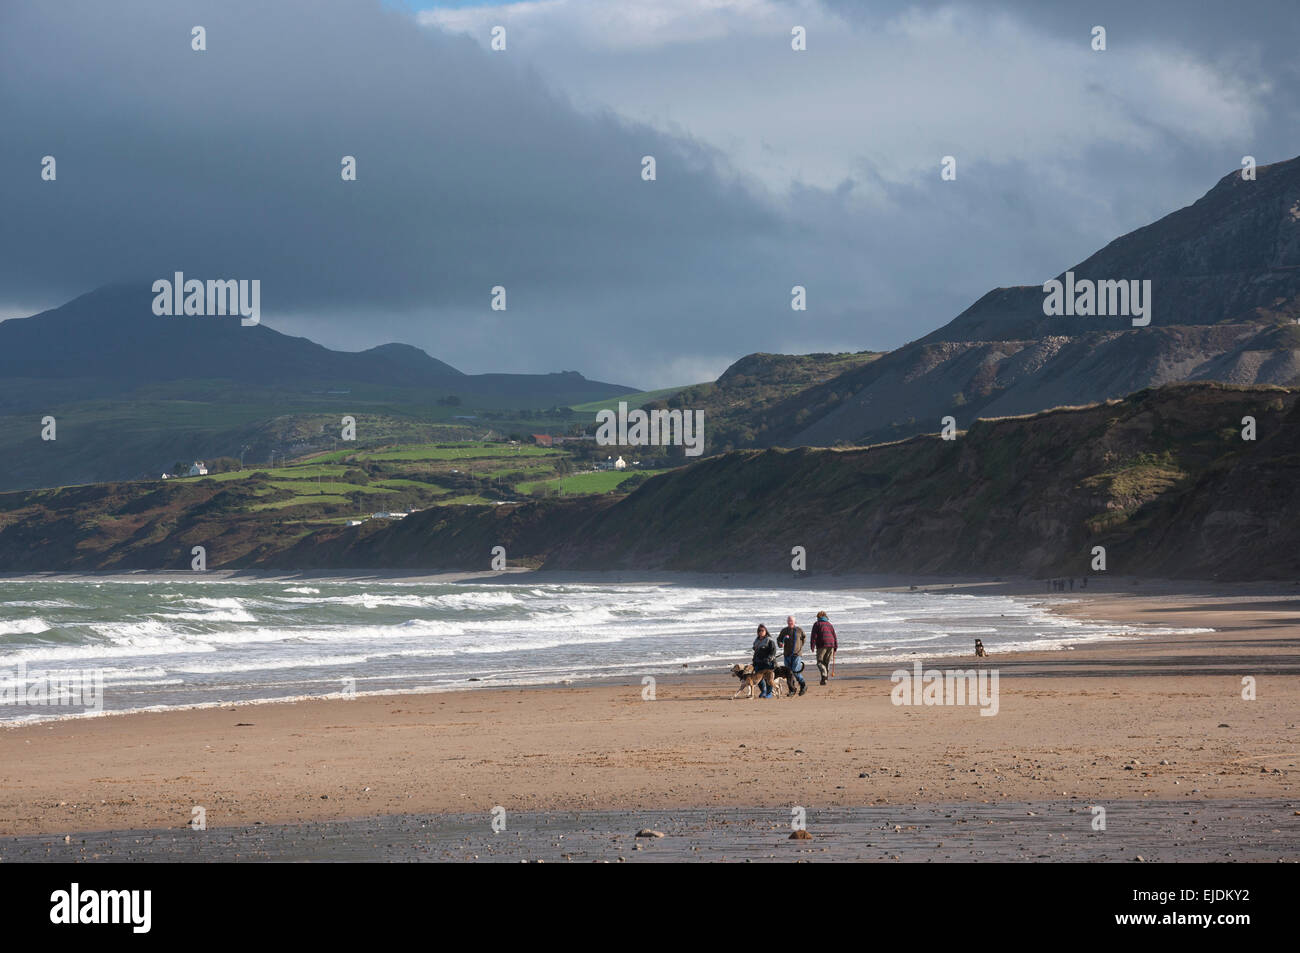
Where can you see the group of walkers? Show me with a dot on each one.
(790, 641)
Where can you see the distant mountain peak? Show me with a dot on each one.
(408, 355)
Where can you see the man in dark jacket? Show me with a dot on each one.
(764, 660)
(791, 640)
(824, 644)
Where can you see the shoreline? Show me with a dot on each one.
(1106, 584)
(1073, 605)
(1066, 730)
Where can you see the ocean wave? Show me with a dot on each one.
(228, 603)
(33, 626)
(228, 615)
(372, 600)
(306, 662)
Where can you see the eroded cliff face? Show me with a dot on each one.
(445, 537)
(1163, 480)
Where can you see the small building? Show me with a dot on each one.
(198, 469)
(542, 439)
(620, 464)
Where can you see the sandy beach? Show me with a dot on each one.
(1115, 724)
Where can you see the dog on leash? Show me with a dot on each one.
(749, 678)
(979, 649)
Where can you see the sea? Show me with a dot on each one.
(158, 643)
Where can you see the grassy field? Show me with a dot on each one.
(402, 484)
(584, 484)
(314, 500)
(438, 452)
(403, 476)
(337, 486)
(633, 400)
(305, 472)
(315, 488)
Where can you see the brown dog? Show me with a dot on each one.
(749, 678)
(979, 649)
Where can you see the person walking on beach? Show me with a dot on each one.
(764, 659)
(791, 640)
(824, 644)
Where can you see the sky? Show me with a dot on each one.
(522, 167)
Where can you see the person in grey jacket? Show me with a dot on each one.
(791, 640)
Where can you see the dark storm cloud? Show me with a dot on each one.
(471, 174)
(474, 170)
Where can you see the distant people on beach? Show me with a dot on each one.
(1058, 585)
(764, 660)
(824, 644)
(791, 640)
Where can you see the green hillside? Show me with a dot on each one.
(1162, 480)
(639, 399)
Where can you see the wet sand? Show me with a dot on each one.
(1253, 830)
(1129, 724)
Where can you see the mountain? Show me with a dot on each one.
(413, 359)
(737, 406)
(1225, 291)
(1163, 479)
(112, 334)
(133, 392)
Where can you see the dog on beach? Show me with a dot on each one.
(749, 678)
(979, 649)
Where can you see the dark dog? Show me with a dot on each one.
(979, 649)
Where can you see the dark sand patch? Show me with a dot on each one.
(1258, 830)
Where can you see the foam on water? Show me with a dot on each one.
(32, 626)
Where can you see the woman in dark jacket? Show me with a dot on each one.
(764, 659)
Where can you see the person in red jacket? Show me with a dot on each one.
(824, 644)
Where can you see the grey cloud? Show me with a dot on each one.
(473, 172)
